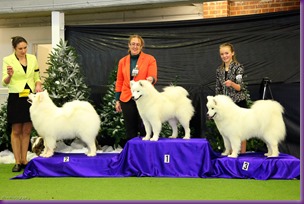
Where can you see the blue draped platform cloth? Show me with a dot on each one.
(192, 158)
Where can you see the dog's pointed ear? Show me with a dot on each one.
(40, 96)
(132, 82)
(209, 98)
(140, 83)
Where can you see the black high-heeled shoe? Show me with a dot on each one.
(17, 168)
(23, 166)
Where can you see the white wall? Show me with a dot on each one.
(42, 53)
(33, 35)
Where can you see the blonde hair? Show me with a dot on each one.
(142, 42)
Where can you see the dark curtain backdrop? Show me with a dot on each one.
(187, 52)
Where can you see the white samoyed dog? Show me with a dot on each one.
(73, 119)
(264, 120)
(155, 108)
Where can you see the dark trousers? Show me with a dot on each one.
(242, 104)
(132, 119)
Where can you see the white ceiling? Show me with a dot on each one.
(21, 13)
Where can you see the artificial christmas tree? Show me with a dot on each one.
(113, 128)
(4, 129)
(64, 81)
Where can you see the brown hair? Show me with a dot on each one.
(231, 49)
(16, 40)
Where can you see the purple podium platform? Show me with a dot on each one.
(192, 158)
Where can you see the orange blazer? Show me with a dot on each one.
(147, 67)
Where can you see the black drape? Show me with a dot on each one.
(187, 53)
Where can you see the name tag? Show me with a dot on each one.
(24, 93)
(135, 71)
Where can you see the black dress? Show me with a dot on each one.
(18, 107)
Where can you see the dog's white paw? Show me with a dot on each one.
(224, 153)
(273, 155)
(186, 137)
(91, 154)
(154, 139)
(146, 138)
(172, 136)
(233, 156)
(47, 155)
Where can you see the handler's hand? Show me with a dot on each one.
(150, 79)
(10, 70)
(228, 83)
(118, 107)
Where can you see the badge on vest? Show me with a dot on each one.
(135, 71)
(24, 93)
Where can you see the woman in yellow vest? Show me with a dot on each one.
(21, 76)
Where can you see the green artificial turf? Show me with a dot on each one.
(144, 188)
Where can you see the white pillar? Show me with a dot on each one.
(57, 27)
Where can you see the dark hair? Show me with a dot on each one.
(16, 40)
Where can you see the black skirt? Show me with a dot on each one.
(18, 109)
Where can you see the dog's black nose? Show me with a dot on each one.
(208, 116)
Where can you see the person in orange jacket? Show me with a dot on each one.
(137, 65)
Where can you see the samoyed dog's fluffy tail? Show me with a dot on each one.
(264, 120)
(73, 119)
(155, 108)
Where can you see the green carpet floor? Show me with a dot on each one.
(145, 188)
